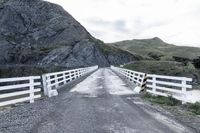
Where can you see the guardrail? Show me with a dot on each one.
(176, 87)
(20, 89)
(136, 77)
(53, 81)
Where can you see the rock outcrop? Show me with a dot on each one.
(36, 32)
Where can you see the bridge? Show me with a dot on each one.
(91, 100)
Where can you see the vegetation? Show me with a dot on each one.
(170, 68)
(107, 50)
(170, 101)
(196, 62)
(194, 108)
(49, 49)
(150, 48)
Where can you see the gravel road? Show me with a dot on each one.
(98, 104)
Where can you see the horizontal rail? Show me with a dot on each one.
(18, 93)
(166, 89)
(134, 72)
(170, 83)
(132, 77)
(18, 79)
(18, 100)
(56, 83)
(56, 78)
(57, 73)
(10, 87)
(169, 77)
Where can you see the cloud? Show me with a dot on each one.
(175, 21)
(118, 25)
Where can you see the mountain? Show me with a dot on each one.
(156, 49)
(36, 33)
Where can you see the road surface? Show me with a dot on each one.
(98, 104)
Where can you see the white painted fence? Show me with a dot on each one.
(53, 81)
(136, 77)
(177, 87)
(20, 89)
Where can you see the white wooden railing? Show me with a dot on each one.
(176, 87)
(53, 81)
(20, 89)
(134, 76)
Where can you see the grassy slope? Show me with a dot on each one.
(166, 51)
(170, 68)
(158, 58)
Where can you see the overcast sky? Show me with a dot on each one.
(174, 21)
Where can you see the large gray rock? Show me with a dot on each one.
(44, 34)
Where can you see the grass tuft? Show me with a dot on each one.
(194, 108)
(169, 101)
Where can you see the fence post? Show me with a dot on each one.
(138, 79)
(79, 73)
(70, 76)
(144, 81)
(126, 74)
(64, 78)
(184, 90)
(56, 80)
(154, 83)
(31, 88)
(44, 83)
(82, 72)
(122, 72)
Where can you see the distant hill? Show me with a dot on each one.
(157, 49)
(162, 58)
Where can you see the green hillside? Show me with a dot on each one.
(162, 58)
(156, 49)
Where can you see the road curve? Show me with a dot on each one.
(99, 104)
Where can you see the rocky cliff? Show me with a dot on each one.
(39, 33)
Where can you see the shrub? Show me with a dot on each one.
(194, 108)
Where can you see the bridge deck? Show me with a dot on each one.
(99, 104)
